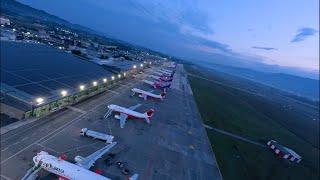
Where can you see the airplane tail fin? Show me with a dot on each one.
(99, 171)
(163, 95)
(149, 113)
(63, 157)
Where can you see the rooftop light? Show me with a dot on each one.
(104, 80)
(81, 87)
(134, 66)
(94, 83)
(119, 75)
(39, 100)
(141, 65)
(124, 74)
(112, 77)
(64, 92)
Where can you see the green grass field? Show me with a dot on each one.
(254, 117)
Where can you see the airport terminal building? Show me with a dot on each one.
(37, 79)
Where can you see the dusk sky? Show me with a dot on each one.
(280, 32)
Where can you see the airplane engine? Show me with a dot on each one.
(78, 159)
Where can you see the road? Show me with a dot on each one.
(235, 136)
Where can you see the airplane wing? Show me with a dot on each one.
(123, 117)
(134, 107)
(150, 91)
(88, 161)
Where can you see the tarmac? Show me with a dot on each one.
(174, 146)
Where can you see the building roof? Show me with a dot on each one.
(32, 70)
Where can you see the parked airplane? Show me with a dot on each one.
(161, 78)
(128, 113)
(61, 167)
(167, 71)
(157, 84)
(163, 74)
(172, 66)
(145, 94)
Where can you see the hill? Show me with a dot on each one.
(299, 86)
(14, 8)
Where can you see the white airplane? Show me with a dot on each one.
(145, 94)
(161, 78)
(158, 85)
(167, 71)
(128, 113)
(66, 170)
(163, 74)
(171, 66)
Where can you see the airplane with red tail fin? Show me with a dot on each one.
(123, 113)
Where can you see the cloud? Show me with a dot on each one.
(264, 48)
(303, 33)
(216, 45)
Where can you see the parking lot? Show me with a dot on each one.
(173, 146)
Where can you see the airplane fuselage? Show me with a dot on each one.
(129, 112)
(64, 168)
(149, 94)
(166, 71)
(161, 78)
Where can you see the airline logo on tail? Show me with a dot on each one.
(149, 113)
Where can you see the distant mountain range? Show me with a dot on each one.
(14, 8)
(29, 14)
(296, 85)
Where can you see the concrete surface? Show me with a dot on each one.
(173, 146)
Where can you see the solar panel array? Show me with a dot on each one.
(35, 70)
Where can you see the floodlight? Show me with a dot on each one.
(81, 87)
(64, 92)
(39, 100)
